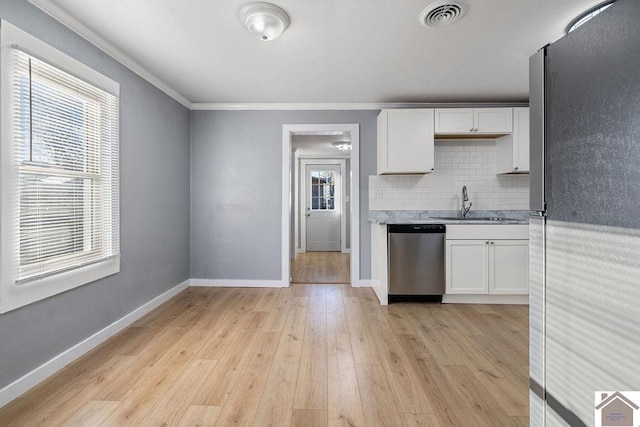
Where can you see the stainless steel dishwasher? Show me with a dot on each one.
(416, 261)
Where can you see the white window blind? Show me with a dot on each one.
(59, 185)
(66, 148)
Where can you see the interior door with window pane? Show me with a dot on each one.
(323, 207)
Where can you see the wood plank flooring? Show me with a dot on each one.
(308, 355)
(321, 267)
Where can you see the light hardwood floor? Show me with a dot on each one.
(306, 355)
(320, 267)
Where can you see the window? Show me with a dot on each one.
(323, 190)
(60, 213)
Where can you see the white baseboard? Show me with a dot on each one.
(486, 299)
(223, 283)
(21, 385)
(363, 283)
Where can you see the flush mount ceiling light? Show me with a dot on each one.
(342, 145)
(588, 15)
(443, 12)
(265, 21)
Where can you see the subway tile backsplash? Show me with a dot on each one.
(457, 163)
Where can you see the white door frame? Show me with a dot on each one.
(343, 203)
(319, 129)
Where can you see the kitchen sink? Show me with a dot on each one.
(470, 218)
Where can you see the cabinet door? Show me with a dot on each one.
(509, 267)
(493, 120)
(512, 151)
(521, 139)
(405, 141)
(466, 267)
(454, 120)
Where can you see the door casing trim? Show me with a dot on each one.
(343, 203)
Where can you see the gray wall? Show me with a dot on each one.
(236, 187)
(154, 197)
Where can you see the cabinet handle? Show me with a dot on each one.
(471, 130)
(491, 243)
(515, 169)
(486, 243)
(432, 169)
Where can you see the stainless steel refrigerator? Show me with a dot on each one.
(585, 235)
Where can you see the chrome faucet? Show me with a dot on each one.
(464, 210)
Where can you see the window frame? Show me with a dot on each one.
(12, 294)
(322, 186)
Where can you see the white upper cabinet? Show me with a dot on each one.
(405, 141)
(512, 151)
(493, 120)
(454, 120)
(473, 120)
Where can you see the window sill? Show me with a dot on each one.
(14, 296)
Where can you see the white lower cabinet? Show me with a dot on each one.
(484, 265)
(467, 267)
(509, 267)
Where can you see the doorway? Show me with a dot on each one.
(322, 186)
(322, 198)
(321, 267)
(323, 205)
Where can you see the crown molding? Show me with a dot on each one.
(83, 31)
(343, 106)
(283, 106)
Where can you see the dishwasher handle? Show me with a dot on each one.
(416, 228)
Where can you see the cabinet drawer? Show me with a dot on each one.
(487, 231)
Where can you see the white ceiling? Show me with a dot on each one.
(334, 51)
(320, 143)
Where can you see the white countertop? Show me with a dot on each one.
(436, 217)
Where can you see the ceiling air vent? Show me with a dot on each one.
(443, 12)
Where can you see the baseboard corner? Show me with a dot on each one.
(363, 283)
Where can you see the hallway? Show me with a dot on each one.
(321, 267)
